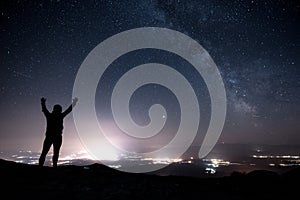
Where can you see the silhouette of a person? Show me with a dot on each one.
(54, 130)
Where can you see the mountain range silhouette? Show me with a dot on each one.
(97, 181)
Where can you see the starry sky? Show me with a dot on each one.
(255, 44)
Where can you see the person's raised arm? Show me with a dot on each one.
(69, 109)
(44, 108)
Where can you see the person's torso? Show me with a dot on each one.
(55, 123)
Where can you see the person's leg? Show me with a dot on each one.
(56, 147)
(46, 146)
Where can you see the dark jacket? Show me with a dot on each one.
(54, 120)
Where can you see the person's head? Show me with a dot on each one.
(57, 108)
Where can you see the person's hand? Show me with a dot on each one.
(43, 100)
(74, 101)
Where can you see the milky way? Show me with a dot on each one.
(255, 45)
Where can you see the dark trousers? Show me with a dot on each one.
(56, 141)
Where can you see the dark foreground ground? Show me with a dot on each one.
(22, 181)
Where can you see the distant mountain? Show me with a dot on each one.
(96, 181)
(238, 152)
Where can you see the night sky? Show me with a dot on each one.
(255, 44)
